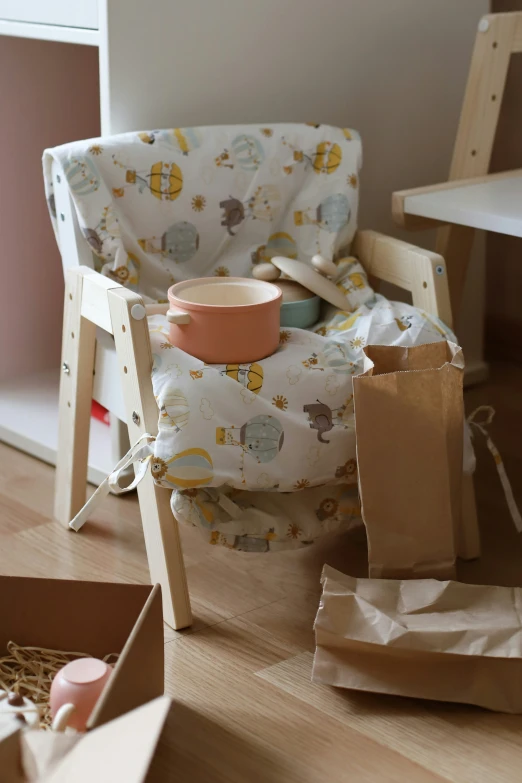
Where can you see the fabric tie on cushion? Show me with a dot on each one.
(139, 453)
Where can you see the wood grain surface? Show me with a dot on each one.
(244, 708)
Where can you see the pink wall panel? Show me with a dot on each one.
(49, 95)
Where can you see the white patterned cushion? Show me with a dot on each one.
(162, 206)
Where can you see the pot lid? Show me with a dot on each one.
(314, 281)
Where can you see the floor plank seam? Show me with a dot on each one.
(188, 632)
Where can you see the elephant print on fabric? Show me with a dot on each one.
(93, 239)
(323, 418)
(263, 205)
(233, 213)
(320, 417)
(102, 238)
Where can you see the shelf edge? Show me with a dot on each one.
(46, 32)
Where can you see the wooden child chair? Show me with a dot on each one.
(106, 356)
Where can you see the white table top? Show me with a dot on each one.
(495, 205)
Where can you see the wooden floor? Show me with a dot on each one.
(245, 709)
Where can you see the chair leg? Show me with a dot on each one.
(164, 553)
(160, 528)
(468, 541)
(78, 349)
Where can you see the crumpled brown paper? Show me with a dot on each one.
(421, 638)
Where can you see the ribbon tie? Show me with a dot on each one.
(140, 453)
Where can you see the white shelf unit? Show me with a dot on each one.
(63, 13)
(48, 32)
(49, 81)
(29, 421)
(53, 20)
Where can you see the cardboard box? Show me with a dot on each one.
(121, 750)
(92, 617)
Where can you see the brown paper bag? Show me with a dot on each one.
(421, 638)
(409, 427)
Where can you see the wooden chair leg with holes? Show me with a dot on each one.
(78, 349)
(97, 301)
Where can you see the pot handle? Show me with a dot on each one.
(178, 317)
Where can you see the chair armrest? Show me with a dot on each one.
(412, 268)
(94, 288)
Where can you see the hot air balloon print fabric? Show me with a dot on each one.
(282, 425)
(259, 456)
(165, 205)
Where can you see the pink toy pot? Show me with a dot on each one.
(79, 683)
(225, 320)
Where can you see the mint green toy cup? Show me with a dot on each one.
(301, 314)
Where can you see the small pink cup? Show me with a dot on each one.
(79, 683)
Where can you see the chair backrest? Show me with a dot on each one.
(162, 206)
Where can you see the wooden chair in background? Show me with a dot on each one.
(458, 213)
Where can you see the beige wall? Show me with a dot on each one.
(504, 254)
(393, 69)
